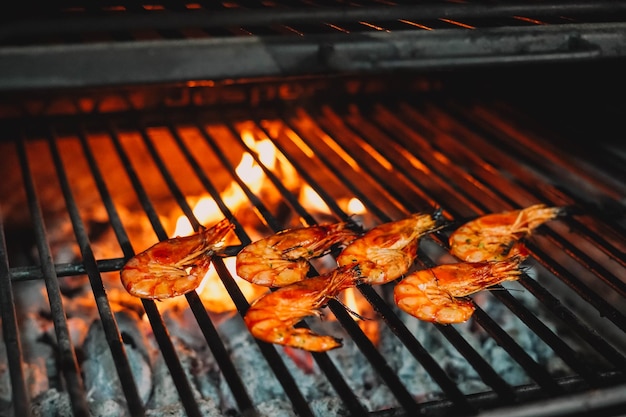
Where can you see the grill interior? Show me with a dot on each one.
(117, 117)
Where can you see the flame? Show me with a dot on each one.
(212, 292)
(355, 206)
(355, 302)
(312, 201)
(205, 210)
(214, 295)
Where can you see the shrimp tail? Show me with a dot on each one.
(485, 274)
(215, 235)
(304, 338)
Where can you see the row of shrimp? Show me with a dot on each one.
(380, 255)
(490, 249)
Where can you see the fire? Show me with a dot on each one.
(214, 295)
(312, 200)
(212, 291)
(356, 303)
(355, 206)
(206, 209)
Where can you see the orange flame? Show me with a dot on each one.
(312, 201)
(206, 210)
(211, 290)
(355, 206)
(355, 302)
(214, 295)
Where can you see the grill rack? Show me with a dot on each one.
(422, 129)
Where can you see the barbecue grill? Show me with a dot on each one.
(118, 117)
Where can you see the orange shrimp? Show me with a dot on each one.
(272, 317)
(497, 236)
(283, 258)
(175, 266)
(431, 294)
(387, 251)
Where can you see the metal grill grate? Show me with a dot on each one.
(396, 156)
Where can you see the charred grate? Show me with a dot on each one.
(396, 157)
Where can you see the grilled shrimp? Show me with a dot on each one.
(283, 258)
(431, 294)
(497, 236)
(175, 266)
(272, 317)
(387, 251)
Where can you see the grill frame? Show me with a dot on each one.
(457, 403)
(589, 31)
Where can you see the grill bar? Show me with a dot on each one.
(67, 356)
(198, 309)
(165, 343)
(269, 352)
(537, 372)
(88, 259)
(10, 332)
(585, 260)
(592, 338)
(472, 140)
(418, 351)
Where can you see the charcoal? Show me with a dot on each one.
(164, 393)
(5, 379)
(197, 372)
(204, 375)
(329, 406)
(51, 403)
(208, 408)
(250, 364)
(275, 408)
(107, 408)
(100, 375)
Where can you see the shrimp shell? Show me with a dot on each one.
(283, 258)
(497, 236)
(174, 266)
(431, 294)
(272, 317)
(387, 251)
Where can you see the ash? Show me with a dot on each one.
(210, 389)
